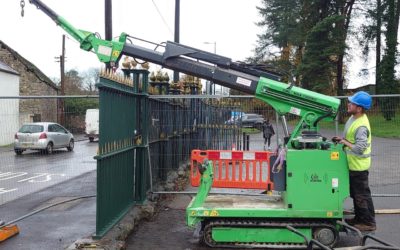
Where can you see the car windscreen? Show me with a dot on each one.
(31, 129)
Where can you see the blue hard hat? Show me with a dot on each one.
(362, 99)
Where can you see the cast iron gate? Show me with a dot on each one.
(142, 139)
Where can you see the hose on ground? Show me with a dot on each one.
(44, 208)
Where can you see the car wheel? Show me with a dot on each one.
(49, 148)
(18, 151)
(71, 145)
(91, 139)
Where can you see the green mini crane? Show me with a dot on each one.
(316, 175)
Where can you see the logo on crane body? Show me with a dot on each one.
(315, 178)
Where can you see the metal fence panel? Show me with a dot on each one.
(116, 156)
(176, 125)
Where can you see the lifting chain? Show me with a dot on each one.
(22, 4)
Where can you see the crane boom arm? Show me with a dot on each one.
(106, 51)
(310, 106)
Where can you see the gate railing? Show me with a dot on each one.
(116, 156)
(141, 139)
(176, 125)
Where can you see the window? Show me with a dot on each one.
(59, 129)
(52, 128)
(37, 118)
(31, 129)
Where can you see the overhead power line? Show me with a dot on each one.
(162, 18)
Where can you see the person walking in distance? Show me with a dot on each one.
(357, 145)
(268, 132)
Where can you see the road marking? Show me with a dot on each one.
(3, 190)
(30, 178)
(48, 178)
(11, 175)
(37, 178)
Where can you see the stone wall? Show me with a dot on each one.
(75, 123)
(32, 83)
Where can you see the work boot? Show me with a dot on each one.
(365, 227)
(351, 221)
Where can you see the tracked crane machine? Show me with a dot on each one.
(316, 176)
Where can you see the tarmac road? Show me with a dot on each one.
(57, 227)
(34, 181)
(33, 171)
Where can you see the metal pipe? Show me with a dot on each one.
(385, 195)
(150, 168)
(49, 97)
(176, 31)
(337, 125)
(221, 193)
(108, 24)
(284, 125)
(277, 128)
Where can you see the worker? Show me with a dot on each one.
(268, 132)
(357, 144)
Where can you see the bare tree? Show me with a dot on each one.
(89, 78)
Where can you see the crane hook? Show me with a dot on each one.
(22, 4)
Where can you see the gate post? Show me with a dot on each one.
(142, 124)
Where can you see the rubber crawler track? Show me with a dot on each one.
(208, 226)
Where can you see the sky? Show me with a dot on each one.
(226, 26)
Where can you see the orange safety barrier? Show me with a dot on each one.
(8, 232)
(234, 169)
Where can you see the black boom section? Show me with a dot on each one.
(49, 12)
(200, 64)
(175, 49)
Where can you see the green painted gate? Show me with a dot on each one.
(122, 166)
(141, 134)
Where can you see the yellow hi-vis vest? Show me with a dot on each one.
(358, 162)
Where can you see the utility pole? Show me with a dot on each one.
(61, 59)
(108, 25)
(176, 32)
(62, 66)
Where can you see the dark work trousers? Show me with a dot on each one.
(267, 139)
(362, 200)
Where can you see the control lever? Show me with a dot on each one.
(336, 139)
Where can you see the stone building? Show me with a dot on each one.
(33, 82)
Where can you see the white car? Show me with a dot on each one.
(44, 136)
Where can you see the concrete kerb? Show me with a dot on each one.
(116, 237)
